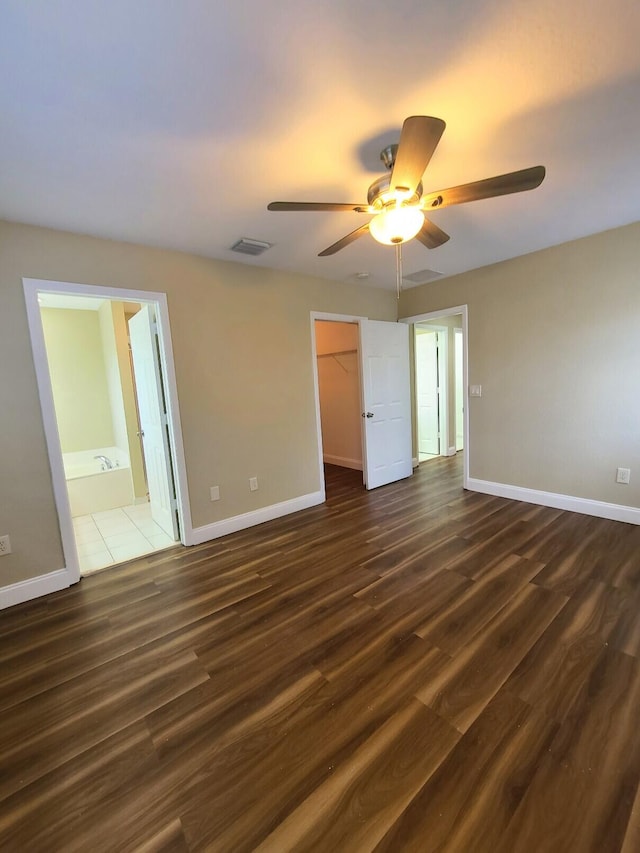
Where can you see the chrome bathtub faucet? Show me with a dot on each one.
(107, 464)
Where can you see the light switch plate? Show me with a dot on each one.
(475, 390)
(215, 493)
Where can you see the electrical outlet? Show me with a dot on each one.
(253, 484)
(214, 491)
(623, 475)
(5, 545)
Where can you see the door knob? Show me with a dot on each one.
(367, 414)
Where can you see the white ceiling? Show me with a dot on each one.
(175, 123)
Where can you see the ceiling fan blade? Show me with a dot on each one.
(512, 182)
(345, 241)
(431, 236)
(418, 140)
(315, 205)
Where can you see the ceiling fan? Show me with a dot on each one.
(396, 200)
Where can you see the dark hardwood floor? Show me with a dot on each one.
(413, 669)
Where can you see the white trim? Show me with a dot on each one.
(52, 437)
(173, 412)
(31, 289)
(448, 312)
(343, 462)
(18, 593)
(601, 509)
(443, 385)
(415, 462)
(450, 451)
(256, 516)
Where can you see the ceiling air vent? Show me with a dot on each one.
(245, 246)
(422, 277)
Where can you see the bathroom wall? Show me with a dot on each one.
(79, 378)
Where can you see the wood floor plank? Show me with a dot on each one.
(356, 805)
(411, 668)
(632, 835)
(595, 755)
(468, 803)
(38, 674)
(469, 682)
(553, 673)
(456, 627)
(46, 731)
(294, 759)
(38, 816)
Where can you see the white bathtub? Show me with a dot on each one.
(92, 489)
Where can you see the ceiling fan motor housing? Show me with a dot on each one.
(380, 194)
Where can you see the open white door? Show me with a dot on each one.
(153, 420)
(427, 393)
(459, 390)
(387, 402)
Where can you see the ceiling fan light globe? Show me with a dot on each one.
(396, 225)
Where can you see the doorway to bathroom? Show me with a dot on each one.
(106, 402)
(452, 373)
(439, 386)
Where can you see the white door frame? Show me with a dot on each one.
(334, 318)
(457, 332)
(447, 312)
(31, 289)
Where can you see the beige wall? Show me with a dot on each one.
(240, 417)
(554, 340)
(339, 389)
(78, 378)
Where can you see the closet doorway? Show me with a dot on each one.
(364, 423)
(339, 391)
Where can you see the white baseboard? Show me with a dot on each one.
(343, 462)
(17, 593)
(257, 516)
(601, 509)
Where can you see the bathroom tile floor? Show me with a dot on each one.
(106, 538)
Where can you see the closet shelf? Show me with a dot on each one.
(333, 354)
(336, 356)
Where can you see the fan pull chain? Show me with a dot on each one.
(398, 269)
